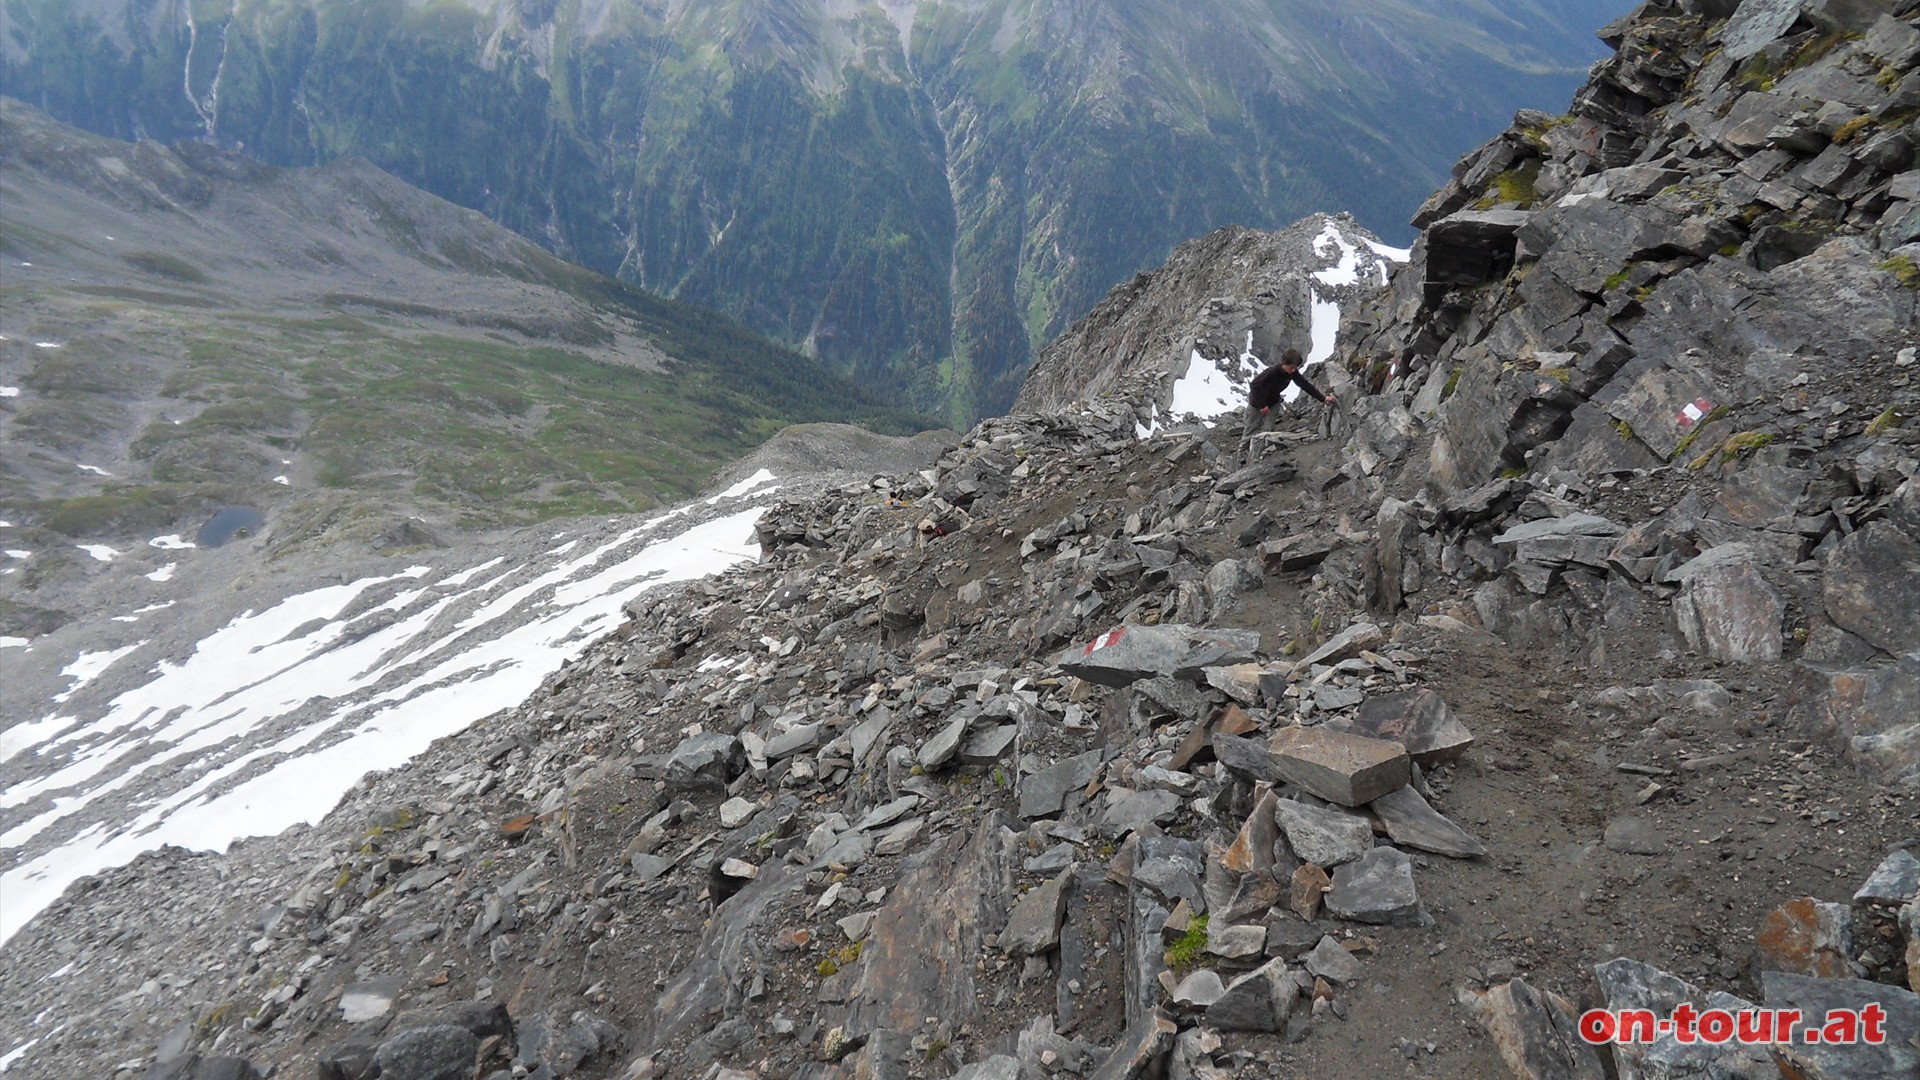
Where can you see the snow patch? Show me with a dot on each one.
(95, 469)
(283, 480)
(9, 391)
(172, 542)
(756, 480)
(165, 573)
(19, 553)
(46, 344)
(13, 643)
(100, 552)
(88, 666)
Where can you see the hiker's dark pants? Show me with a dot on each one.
(1255, 423)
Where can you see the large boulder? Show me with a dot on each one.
(1872, 586)
(1726, 609)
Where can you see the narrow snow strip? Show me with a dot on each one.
(1392, 254)
(45, 344)
(172, 542)
(95, 469)
(7, 1059)
(88, 667)
(1325, 328)
(100, 552)
(756, 480)
(14, 642)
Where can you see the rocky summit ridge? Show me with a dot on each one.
(1572, 664)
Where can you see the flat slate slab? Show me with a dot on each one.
(1412, 822)
(1129, 653)
(1347, 769)
(1416, 719)
(1377, 888)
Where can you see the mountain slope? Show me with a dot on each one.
(186, 330)
(919, 193)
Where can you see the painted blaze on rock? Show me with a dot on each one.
(1128, 653)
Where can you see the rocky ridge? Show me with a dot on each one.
(1084, 754)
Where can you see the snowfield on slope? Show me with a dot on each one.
(268, 721)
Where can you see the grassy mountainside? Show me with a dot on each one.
(187, 329)
(918, 192)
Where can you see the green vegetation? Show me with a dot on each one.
(1516, 185)
(1732, 447)
(1847, 131)
(1184, 954)
(1885, 422)
(1625, 429)
(1453, 383)
(1616, 279)
(167, 266)
(1903, 270)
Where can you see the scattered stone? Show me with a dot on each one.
(1808, 937)
(1894, 883)
(990, 745)
(887, 813)
(1377, 888)
(1535, 1031)
(1139, 808)
(943, 747)
(1236, 942)
(1842, 1054)
(705, 762)
(1200, 989)
(1338, 767)
(1310, 886)
(1142, 1051)
(1416, 719)
(1324, 836)
(1628, 984)
(1345, 645)
(736, 811)
(443, 1052)
(1257, 1001)
(1252, 850)
(1411, 822)
(1329, 960)
(1044, 794)
(1034, 926)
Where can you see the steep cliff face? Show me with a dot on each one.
(921, 194)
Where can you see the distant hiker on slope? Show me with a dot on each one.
(1263, 396)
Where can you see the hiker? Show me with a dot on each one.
(1263, 395)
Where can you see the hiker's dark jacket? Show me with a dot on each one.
(1271, 383)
